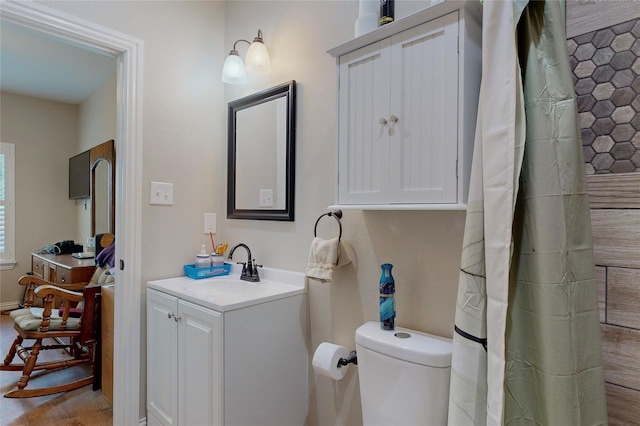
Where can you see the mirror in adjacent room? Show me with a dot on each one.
(261, 155)
(103, 188)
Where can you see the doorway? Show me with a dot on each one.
(128, 53)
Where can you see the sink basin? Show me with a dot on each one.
(220, 286)
(229, 292)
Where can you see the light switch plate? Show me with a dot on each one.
(161, 193)
(266, 198)
(209, 223)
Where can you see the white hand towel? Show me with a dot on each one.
(324, 257)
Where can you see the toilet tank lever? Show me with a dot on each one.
(351, 359)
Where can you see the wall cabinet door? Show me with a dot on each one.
(424, 139)
(363, 149)
(398, 118)
(184, 362)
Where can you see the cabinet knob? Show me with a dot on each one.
(170, 315)
(62, 279)
(176, 318)
(394, 119)
(383, 121)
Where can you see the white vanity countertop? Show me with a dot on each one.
(228, 292)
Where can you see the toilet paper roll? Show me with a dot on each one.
(325, 360)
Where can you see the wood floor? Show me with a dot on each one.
(79, 407)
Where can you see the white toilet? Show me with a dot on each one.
(404, 376)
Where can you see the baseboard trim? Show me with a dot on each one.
(9, 306)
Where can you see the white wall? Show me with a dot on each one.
(45, 136)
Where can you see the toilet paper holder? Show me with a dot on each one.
(351, 359)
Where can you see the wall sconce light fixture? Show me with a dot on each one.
(257, 62)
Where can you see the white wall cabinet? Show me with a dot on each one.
(407, 105)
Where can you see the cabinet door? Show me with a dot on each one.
(162, 358)
(424, 143)
(363, 140)
(200, 364)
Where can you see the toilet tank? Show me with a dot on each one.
(404, 376)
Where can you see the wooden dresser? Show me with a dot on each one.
(62, 269)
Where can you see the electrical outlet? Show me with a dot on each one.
(161, 193)
(266, 198)
(209, 223)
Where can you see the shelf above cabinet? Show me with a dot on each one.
(473, 7)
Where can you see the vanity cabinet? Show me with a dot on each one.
(184, 362)
(407, 105)
(244, 362)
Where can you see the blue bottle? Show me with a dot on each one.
(387, 298)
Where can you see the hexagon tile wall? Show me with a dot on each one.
(606, 73)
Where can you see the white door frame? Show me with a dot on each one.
(128, 52)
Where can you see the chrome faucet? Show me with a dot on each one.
(250, 268)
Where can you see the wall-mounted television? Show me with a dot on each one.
(80, 176)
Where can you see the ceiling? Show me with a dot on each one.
(37, 65)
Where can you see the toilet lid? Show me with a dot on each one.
(408, 345)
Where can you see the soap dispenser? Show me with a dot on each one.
(203, 260)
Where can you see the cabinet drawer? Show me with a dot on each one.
(63, 276)
(37, 267)
(74, 275)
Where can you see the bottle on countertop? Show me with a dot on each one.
(387, 298)
(203, 260)
(386, 12)
(217, 259)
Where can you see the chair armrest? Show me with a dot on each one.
(28, 279)
(45, 290)
(31, 281)
(72, 287)
(48, 294)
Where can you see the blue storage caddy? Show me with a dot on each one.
(212, 271)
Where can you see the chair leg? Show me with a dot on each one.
(29, 364)
(12, 351)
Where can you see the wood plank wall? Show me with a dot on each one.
(615, 214)
(615, 219)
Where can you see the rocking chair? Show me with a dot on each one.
(60, 324)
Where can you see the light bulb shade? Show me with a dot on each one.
(257, 59)
(233, 71)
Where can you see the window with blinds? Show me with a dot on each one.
(7, 195)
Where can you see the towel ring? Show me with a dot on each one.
(336, 214)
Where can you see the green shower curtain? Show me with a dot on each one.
(554, 372)
(527, 344)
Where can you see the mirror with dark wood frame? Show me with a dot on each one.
(103, 197)
(261, 155)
